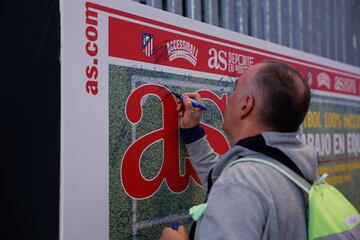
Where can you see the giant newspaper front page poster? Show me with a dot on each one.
(125, 173)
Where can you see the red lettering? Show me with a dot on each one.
(91, 33)
(92, 86)
(91, 49)
(135, 184)
(133, 181)
(91, 16)
(91, 72)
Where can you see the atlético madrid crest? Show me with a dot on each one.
(147, 44)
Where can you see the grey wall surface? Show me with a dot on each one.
(329, 28)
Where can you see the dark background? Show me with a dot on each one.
(30, 118)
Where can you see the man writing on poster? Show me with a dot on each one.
(252, 200)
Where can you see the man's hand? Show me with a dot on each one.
(171, 234)
(188, 115)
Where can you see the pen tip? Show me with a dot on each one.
(176, 94)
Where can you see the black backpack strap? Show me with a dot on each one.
(258, 144)
(193, 225)
(192, 231)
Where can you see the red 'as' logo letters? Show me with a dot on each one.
(135, 184)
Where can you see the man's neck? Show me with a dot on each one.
(247, 133)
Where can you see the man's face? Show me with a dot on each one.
(231, 116)
(242, 88)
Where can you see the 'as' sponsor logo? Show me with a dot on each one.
(344, 84)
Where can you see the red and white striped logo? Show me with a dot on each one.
(147, 44)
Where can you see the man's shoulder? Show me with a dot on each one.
(245, 173)
(261, 178)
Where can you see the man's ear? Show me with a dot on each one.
(246, 106)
